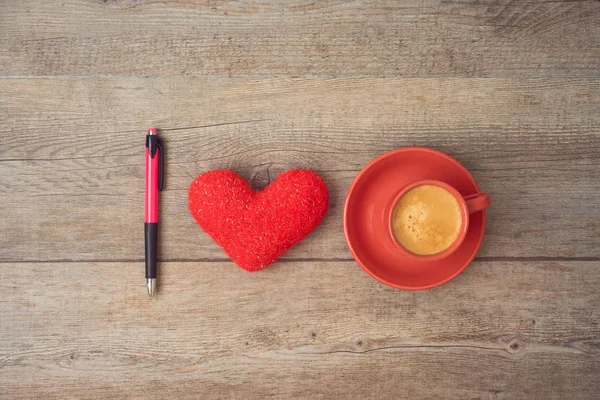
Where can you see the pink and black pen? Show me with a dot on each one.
(155, 162)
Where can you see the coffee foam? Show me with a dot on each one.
(427, 220)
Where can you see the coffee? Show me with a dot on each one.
(426, 220)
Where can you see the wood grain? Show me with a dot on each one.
(508, 87)
(310, 330)
(332, 38)
(72, 169)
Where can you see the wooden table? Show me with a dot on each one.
(510, 88)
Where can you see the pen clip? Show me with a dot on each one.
(161, 163)
(154, 142)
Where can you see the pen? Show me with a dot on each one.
(155, 162)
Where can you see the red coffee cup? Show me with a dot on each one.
(467, 205)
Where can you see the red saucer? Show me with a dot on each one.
(366, 226)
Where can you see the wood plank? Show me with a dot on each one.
(71, 169)
(299, 38)
(316, 330)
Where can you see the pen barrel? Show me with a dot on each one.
(152, 175)
(151, 239)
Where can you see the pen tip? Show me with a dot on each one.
(152, 131)
(151, 287)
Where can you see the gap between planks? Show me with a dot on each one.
(296, 260)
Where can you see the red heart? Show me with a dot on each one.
(256, 227)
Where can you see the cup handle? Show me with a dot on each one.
(477, 202)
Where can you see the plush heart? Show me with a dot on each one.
(256, 227)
